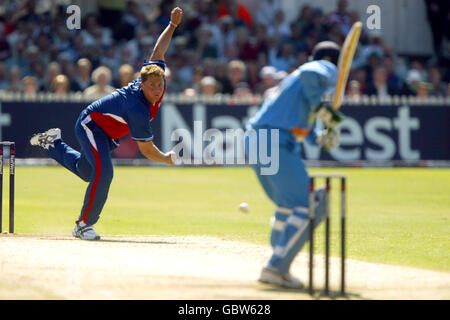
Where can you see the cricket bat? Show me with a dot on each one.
(345, 62)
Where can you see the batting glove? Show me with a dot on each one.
(329, 117)
(328, 139)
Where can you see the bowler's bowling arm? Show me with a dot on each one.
(164, 39)
(150, 151)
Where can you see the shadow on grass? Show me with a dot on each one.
(135, 241)
(102, 240)
(333, 295)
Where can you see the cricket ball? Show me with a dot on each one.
(244, 208)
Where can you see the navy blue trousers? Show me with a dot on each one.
(92, 164)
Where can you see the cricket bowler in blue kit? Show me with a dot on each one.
(127, 110)
(293, 109)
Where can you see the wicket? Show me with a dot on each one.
(12, 164)
(327, 178)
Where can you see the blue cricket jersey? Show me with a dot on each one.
(290, 107)
(126, 110)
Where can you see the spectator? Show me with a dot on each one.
(237, 11)
(5, 48)
(302, 57)
(83, 78)
(267, 75)
(220, 75)
(208, 86)
(93, 34)
(126, 56)
(252, 74)
(280, 29)
(126, 27)
(380, 87)
(392, 79)
(29, 86)
(126, 75)
(285, 59)
(236, 74)
(423, 89)
(101, 78)
(168, 76)
(146, 44)
(417, 65)
(71, 72)
(32, 57)
(304, 17)
(37, 71)
(110, 12)
(354, 90)
(206, 47)
(439, 88)
(247, 48)
(15, 84)
(360, 75)
(189, 93)
(279, 76)
(226, 32)
(3, 76)
(242, 90)
(209, 66)
(316, 26)
(272, 49)
(53, 69)
(373, 62)
(43, 43)
(110, 59)
(185, 72)
(438, 17)
(60, 85)
(341, 16)
(264, 13)
(171, 86)
(232, 52)
(412, 81)
(76, 48)
(199, 73)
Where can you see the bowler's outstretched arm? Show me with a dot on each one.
(164, 39)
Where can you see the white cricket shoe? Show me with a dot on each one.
(85, 232)
(272, 276)
(46, 139)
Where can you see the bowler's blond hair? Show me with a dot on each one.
(151, 70)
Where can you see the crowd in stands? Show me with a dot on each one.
(220, 47)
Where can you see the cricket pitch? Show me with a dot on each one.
(178, 268)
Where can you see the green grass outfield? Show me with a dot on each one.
(395, 216)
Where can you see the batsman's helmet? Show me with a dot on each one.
(326, 50)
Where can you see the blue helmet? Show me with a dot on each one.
(326, 50)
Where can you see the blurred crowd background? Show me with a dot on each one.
(220, 47)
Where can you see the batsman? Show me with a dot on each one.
(127, 110)
(293, 109)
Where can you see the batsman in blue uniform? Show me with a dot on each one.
(127, 110)
(292, 109)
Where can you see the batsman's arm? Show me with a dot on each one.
(150, 151)
(314, 85)
(164, 39)
(311, 138)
